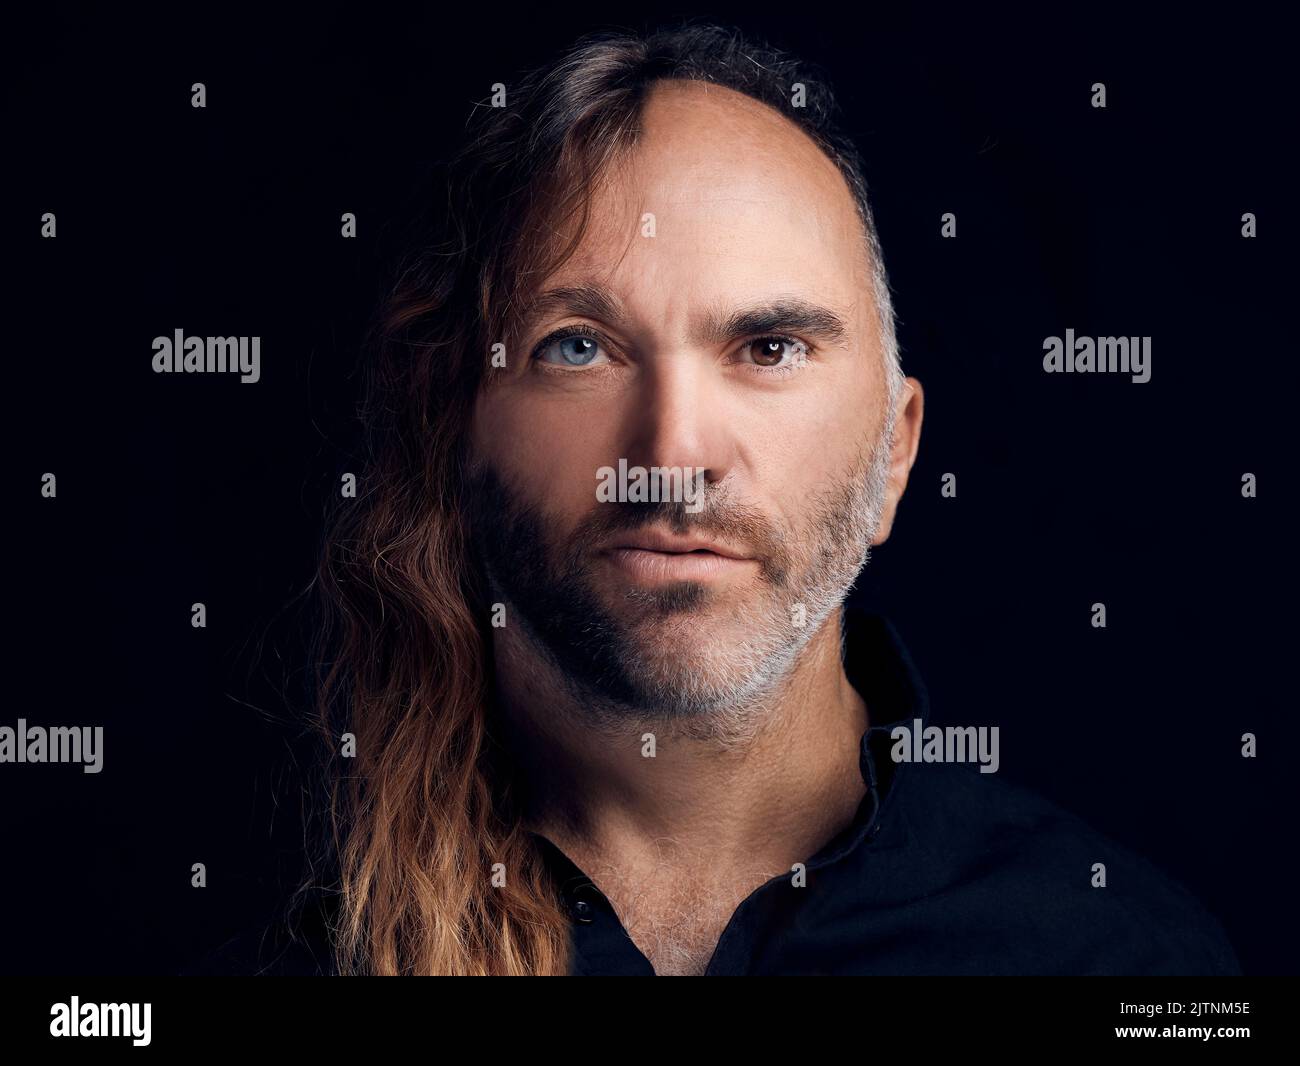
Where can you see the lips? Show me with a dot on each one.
(655, 541)
(652, 557)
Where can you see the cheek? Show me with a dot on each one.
(541, 452)
(817, 439)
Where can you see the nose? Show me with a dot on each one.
(677, 417)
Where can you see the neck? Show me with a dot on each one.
(772, 799)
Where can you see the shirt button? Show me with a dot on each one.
(584, 899)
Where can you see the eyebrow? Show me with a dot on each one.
(791, 314)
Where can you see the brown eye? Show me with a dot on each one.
(777, 352)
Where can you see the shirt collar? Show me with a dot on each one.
(879, 666)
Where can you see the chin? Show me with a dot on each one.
(710, 648)
(701, 622)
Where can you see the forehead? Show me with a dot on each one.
(743, 204)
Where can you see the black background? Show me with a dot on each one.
(1072, 489)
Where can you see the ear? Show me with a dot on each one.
(907, 438)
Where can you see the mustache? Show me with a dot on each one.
(734, 523)
(497, 509)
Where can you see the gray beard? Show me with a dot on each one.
(608, 668)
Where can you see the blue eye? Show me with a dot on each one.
(571, 348)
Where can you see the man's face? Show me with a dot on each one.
(783, 416)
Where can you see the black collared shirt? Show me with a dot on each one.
(943, 870)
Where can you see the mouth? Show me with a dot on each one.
(651, 556)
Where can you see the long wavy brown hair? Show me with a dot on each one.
(413, 824)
